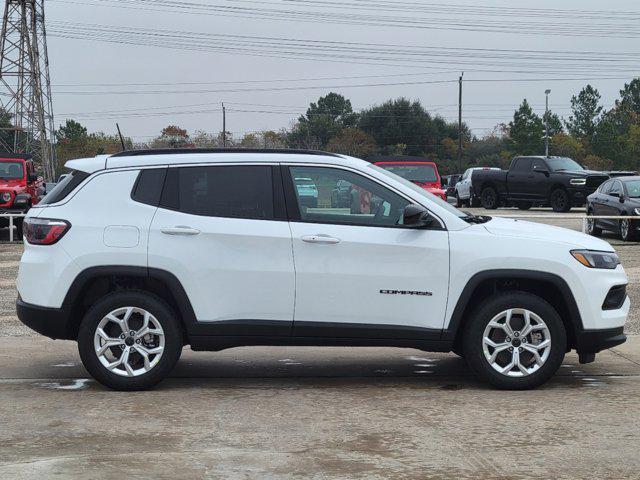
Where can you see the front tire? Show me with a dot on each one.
(130, 340)
(560, 201)
(627, 232)
(489, 198)
(515, 341)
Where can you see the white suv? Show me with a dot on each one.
(137, 254)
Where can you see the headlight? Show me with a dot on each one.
(636, 211)
(578, 181)
(6, 197)
(594, 259)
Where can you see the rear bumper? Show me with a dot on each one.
(51, 322)
(594, 341)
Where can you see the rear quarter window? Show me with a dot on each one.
(62, 190)
(148, 187)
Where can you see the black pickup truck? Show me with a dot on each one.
(558, 182)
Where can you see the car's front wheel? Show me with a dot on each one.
(130, 340)
(592, 226)
(627, 232)
(515, 341)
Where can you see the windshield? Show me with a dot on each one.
(414, 173)
(11, 170)
(563, 163)
(421, 191)
(633, 187)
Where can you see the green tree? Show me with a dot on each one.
(352, 141)
(323, 120)
(564, 145)
(586, 111)
(71, 131)
(630, 96)
(402, 126)
(172, 136)
(526, 131)
(6, 134)
(555, 123)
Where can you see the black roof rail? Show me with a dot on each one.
(176, 151)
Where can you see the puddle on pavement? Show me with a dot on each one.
(76, 384)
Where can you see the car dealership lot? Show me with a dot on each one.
(316, 412)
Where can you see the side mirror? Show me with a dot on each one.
(417, 216)
(621, 198)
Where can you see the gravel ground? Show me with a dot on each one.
(629, 255)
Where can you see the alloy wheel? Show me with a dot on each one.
(129, 341)
(624, 229)
(516, 342)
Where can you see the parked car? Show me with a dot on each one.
(558, 182)
(449, 184)
(423, 174)
(307, 192)
(341, 196)
(464, 192)
(141, 253)
(20, 186)
(616, 197)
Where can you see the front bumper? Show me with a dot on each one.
(52, 322)
(594, 341)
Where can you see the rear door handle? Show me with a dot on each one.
(180, 230)
(320, 238)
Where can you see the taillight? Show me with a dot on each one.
(44, 231)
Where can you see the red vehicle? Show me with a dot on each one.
(20, 186)
(423, 174)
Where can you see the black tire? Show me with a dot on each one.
(489, 198)
(162, 313)
(627, 233)
(459, 202)
(524, 205)
(560, 201)
(474, 331)
(19, 230)
(592, 227)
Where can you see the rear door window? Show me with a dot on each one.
(242, 191)
(522, 165)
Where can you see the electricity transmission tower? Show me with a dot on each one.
(25, 88)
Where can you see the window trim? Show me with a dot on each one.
(277, 198)
(293, 210)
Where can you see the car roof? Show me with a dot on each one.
(149, 158)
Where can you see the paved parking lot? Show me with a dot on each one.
(315, 413)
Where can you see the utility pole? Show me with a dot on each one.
(546, 124)
(25, 87)
(460, 123)
(224, 126)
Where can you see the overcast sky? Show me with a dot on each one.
(79, 65)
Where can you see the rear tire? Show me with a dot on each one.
(119, 362)
(560, 201)
(518, 368)
(489, 198)
(592, 228)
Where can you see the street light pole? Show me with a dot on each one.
(546, 124)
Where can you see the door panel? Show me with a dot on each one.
(375, 276)
(231, 268)
(358, 270)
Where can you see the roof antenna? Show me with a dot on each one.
(120, 135)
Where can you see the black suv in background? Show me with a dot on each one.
(558, 182)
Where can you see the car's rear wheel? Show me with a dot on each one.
(515, 341)
(560, 201)
(130, 340)
(489, 198)
(592, 227)
(459, 202)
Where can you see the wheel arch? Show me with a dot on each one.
(95, 282)
(548, 286)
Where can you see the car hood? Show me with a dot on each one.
(522, 229)
(581, 173)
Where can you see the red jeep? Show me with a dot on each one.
(424, 174)
(20, 186)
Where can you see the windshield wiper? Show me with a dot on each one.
(471, 218)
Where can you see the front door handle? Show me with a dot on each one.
(320, 238)
(180, 230)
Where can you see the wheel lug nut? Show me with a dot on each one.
(508, 339)
(138, 341)
(521, 349)
(122, 336)
(511, 349)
